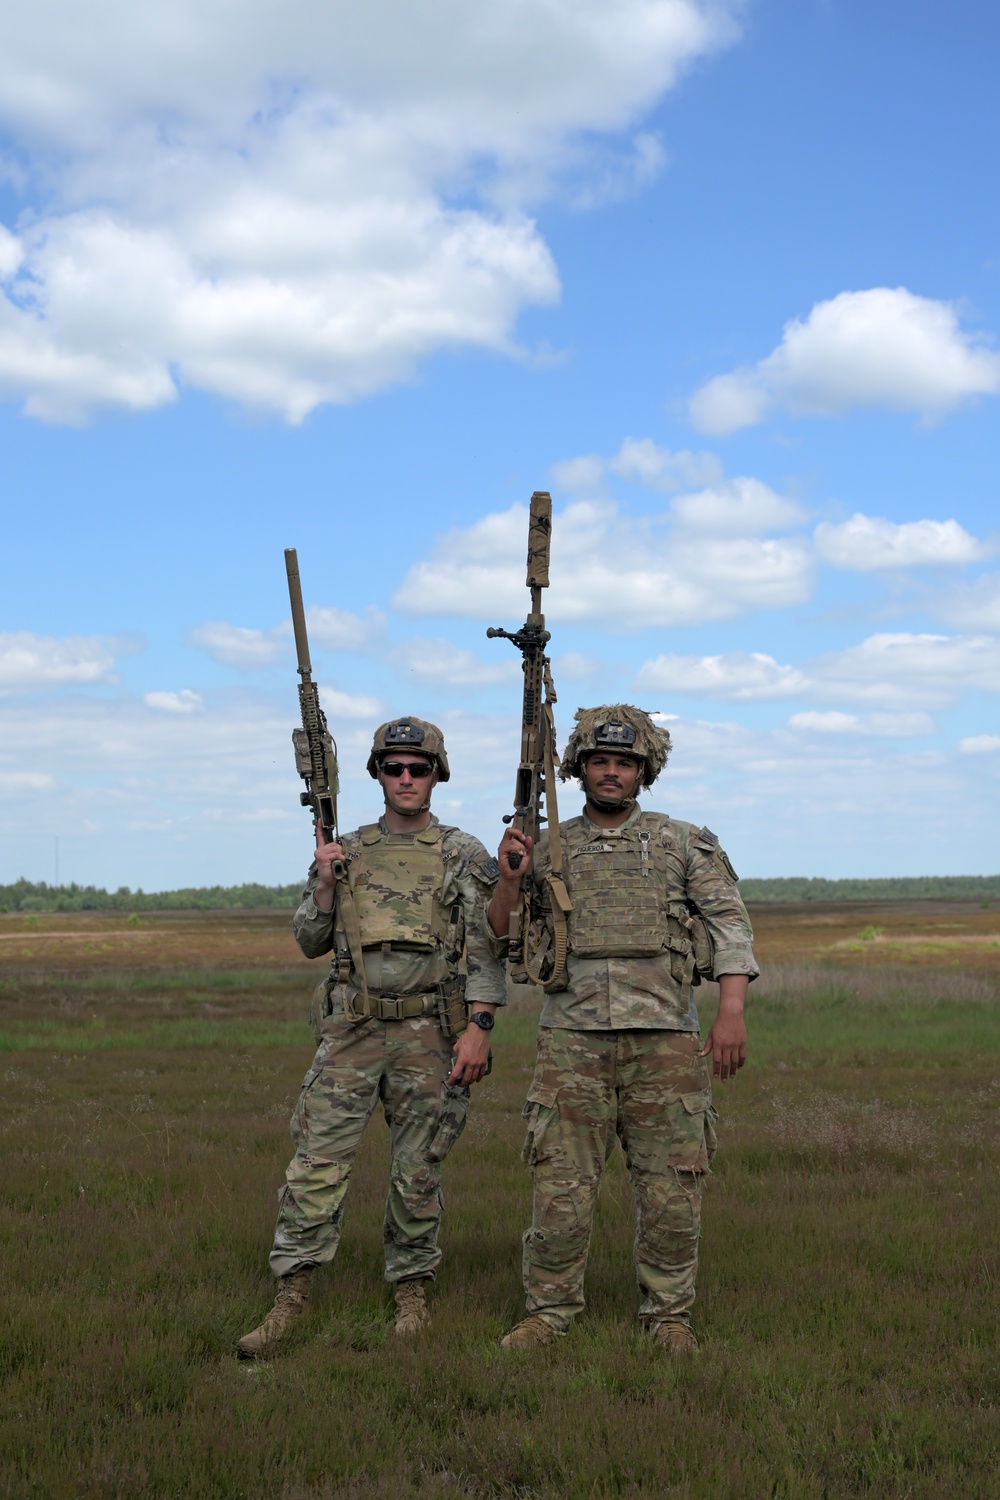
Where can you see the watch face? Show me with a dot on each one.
(484, 1020)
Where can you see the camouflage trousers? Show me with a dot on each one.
(652, 1090)
(404, 1064)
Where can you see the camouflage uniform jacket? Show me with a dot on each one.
(469, 877)
(603, 992)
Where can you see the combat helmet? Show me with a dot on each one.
(415, 735)
(621, 727)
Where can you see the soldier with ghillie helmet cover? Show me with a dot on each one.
(654, 908)
(392, 1024)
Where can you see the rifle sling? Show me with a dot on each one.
(352, 931)
(559, 896)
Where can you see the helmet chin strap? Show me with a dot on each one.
(412, 812)
(603, 805)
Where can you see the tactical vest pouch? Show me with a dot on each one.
(332, 998)
(619, 897)
(320, 1007)
(692, 956)
(704, 952)
(452, 1010)
(397, 887)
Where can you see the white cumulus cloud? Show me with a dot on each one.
(340, 630)
(626, 571)
(642, 461)
(445, 665)
(738, 507)
(30, 661)
(902, 669)
(184, 702)
(883, 348)
(883, 726)
(979, 744)
(738, 675)
(249, 647)
(869, 543)
(904, 675)
(337, 704)
(287, 206)
(971, 606)
(241, 645)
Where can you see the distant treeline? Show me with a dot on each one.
(27, 895)
(904, 888)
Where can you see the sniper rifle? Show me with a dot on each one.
(535, 787)
(315, 748)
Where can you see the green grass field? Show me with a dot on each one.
(849, 1297)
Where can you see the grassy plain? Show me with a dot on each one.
(849, 1288)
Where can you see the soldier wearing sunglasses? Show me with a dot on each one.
(395, 1021)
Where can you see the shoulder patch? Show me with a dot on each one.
(708, 842)
(487, 869)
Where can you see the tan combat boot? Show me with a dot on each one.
(290, 1303)
(675, 1336)
(528, 1333)
(411, 1307)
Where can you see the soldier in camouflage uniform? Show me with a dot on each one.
(387, 1021)
(654, 903)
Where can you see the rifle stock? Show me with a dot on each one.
(315, 750)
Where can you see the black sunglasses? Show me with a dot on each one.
(395, 768)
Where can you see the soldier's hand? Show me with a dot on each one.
(728, 1046)
(517, 843)
(472, 1052)
(326, 881)
(727, 1040)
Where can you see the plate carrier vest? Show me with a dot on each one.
(629, 896)
(397, 888)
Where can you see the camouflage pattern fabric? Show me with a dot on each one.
(469, 877)
(652, 1090)
(404, 1064)
(686, 865)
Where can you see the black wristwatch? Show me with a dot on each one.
(483, 1019)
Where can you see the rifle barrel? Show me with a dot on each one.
(298, 613)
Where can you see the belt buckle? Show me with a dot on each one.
(392, 1008)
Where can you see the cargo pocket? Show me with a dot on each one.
(696, 1140)
(451, 1122)
(711, 1136)
(299, 1126)
(538, 1113)
(320, 1008)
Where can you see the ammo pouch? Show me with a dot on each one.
(453, 1013)
(701, 943)
(689, 944)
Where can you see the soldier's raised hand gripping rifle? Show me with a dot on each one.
(534, 957)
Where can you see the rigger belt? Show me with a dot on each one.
(396, 1007)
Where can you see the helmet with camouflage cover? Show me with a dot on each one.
(415, 735)
(616, 727)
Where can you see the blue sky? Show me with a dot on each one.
(724, 277)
